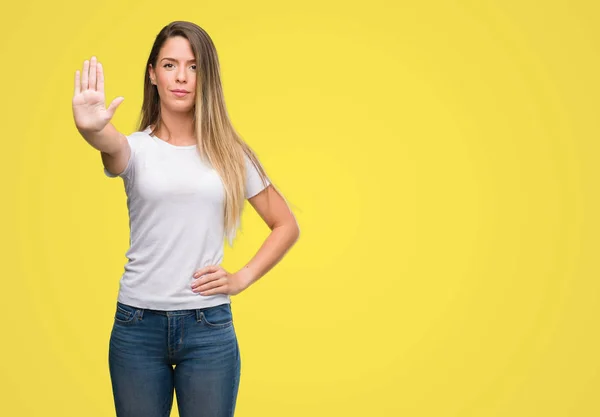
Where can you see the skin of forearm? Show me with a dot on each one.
(108, 140)
(275, 246)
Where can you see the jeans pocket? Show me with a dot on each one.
(217, 317)
(125, 314)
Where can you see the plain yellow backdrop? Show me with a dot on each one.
(441, 158)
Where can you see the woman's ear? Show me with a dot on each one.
(151, 74)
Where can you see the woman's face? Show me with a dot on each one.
(175, 70)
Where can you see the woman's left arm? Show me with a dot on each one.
(273, 209)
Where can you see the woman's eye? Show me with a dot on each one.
(165, 66)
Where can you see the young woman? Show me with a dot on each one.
(187, 174)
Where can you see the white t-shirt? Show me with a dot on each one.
(175, 203)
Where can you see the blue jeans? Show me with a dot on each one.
(153, 353)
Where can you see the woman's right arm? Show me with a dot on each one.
(92, 118)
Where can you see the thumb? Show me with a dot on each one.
(113, 105)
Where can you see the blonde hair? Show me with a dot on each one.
(218, 142)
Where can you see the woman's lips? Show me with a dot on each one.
(180, 93)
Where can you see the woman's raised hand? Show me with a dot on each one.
(89, 110)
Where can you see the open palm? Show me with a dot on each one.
(89, 109)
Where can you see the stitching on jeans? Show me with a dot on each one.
(235, 377)
(130, 317)
(118, 320)
(183, 320)
(218, 325)
(127, 312)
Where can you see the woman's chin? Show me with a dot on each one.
(180, 107)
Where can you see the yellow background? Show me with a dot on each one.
(442, 160)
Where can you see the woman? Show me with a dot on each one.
(186, 174)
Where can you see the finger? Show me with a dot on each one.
(210, 285)
(207, 278)
(77, 83)
(93, 73)
(213, 292)
(100, 75)
(204, 270)
(222, 289)
(84, 75)
(113, 105)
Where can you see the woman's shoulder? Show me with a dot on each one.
(139, 138)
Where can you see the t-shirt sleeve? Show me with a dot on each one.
(254, 183)
(128, 172)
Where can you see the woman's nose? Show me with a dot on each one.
(181, 76)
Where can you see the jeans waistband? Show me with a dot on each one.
(169, 313)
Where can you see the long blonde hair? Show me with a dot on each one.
(218, 142)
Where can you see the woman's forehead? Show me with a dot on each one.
(177, 48)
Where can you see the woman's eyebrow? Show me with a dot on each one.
(173, 59)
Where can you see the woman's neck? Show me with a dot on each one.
(177, 128)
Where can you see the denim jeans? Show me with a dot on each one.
(154, 353)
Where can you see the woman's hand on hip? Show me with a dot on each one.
(213, 279)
